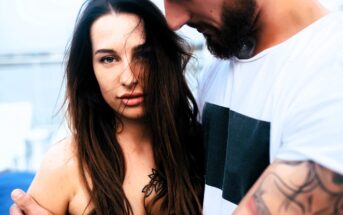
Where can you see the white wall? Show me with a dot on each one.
(44, 26)
(36, 26)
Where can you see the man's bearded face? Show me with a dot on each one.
(237, 24)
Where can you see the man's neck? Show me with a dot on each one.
(279, 20)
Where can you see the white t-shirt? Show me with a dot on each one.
(284, 103)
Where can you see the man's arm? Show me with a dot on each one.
(25, 203)
(298, 187)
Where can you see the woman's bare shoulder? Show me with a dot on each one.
(62, 154)
(54, 186)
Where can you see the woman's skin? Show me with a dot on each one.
(58, 185)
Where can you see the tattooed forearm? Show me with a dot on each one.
(299, 188)
(260, 206)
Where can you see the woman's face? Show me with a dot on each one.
(118, 63)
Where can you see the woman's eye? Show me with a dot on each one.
(142, 52)
(107, 59)
(142, 55)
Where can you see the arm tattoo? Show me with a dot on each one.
(320, 192)
(260, 205)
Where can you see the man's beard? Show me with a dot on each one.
(236, 30)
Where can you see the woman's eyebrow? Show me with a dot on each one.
(106, 51)
(111, 51)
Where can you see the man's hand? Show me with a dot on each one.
(25, 204)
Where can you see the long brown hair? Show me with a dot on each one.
(170, 111)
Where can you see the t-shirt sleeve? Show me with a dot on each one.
(312, 129)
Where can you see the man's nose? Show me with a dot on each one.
(176, 14)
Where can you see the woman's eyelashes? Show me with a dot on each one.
(109, 59)
(141, 53)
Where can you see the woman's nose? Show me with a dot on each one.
(128, 77)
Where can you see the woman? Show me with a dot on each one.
(135, 146)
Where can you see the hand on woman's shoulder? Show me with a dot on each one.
(54, 184)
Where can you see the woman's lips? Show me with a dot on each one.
(132, 100)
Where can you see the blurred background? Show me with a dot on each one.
(33, 39)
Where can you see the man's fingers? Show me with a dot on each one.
(14, 210)
(24, 202)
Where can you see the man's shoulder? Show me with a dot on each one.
(212, 80)
(213, 67)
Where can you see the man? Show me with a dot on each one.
(274, 107)
(272, 112)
